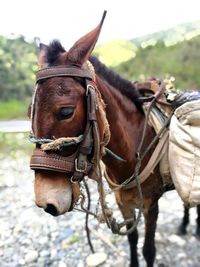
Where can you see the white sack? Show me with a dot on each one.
(184, 152)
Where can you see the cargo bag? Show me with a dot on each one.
(184, 152)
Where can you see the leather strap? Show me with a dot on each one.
(88, 153)
(54, 162)
(158, 153)
(62, 71)
(88, 145)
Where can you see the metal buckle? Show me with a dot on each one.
(72, 180)
(80, 170)
(89, 87)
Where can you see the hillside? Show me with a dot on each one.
(171, 36)
(173, 52)
(116, 51)
(181, 61)
(152, 55)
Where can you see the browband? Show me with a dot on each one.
(62, 71)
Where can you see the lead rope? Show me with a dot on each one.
(87, 217)
(107, 214)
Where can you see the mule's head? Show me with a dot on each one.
(59, 110)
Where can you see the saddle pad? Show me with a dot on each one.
(184, 152)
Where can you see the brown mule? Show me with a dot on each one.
(65, 87)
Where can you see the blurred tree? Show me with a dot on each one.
(180, 61)
(129, 58)
(17, 67)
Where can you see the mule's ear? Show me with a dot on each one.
(82, 49)
(42, 58)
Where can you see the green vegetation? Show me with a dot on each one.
(116, 51)
(13, 109)
(17, 68)
(175, 52)
(180, 61)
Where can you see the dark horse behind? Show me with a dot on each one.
(84, 109)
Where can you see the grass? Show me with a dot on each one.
(13, 109)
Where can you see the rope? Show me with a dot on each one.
(63, 141)
(139, 188)
(87, 218)
(101, 106)
(51, 144)
(107, 214)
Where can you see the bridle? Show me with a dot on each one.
(89, 147)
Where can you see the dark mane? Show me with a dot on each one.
(53, 50)
(124, 86)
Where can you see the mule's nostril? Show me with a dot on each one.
(51, 209)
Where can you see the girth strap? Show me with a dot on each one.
(54, 162)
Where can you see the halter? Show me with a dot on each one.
(89, 149)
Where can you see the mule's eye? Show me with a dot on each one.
(65, 113)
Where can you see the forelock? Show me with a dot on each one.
(53, 51)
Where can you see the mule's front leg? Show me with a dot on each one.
(133, 240)
(133, 237)
(149, 249)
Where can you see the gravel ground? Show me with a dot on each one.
(30, 237)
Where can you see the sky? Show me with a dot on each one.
(68, 20)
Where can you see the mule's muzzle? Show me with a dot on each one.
(53, 192)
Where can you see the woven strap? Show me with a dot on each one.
(61, 72)
(51, 161)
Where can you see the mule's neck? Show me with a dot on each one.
(126, 126)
